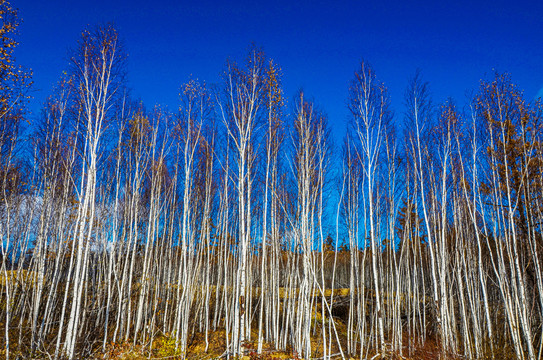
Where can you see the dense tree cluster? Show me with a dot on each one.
(230, 219)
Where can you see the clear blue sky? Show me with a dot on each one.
(317, 43)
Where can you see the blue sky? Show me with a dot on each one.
(318, 44)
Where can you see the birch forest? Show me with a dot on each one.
(235, 227)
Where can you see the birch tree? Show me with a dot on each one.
(368, 104)
(14, 85)
(98, 74)
(241, 110)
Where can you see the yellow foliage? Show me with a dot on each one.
(14, 276)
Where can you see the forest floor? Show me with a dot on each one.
(163, 347)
